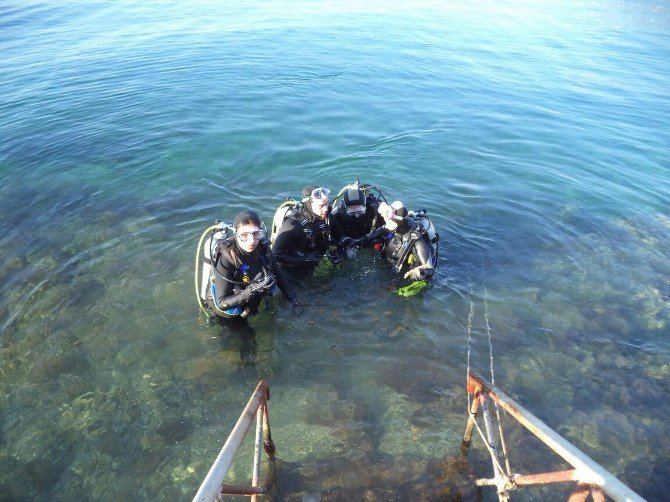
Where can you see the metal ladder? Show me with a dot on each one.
(212, 488)
(590, 478)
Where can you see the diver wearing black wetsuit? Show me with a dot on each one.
(405, 244)
(357, 213)
(305, 236)
(243, 277)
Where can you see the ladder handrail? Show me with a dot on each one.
(211, 486)
(587, 470)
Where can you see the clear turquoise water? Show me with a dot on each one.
(536, 134)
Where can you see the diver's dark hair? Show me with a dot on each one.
(246, 218)
(242, 218)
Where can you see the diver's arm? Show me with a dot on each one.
(336, 233)
(282, 281)
(285, 244)
(378, 234)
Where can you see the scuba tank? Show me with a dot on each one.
(281, 214)
(423, 228)
(429, 233)
(203, 259)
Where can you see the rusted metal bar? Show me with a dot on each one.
(503, 445)
(580, 494)
(467, 436)
(211, 486)
(256, 474)
(545, 477)
(267, 441)
(597, 494)
(587, 471)
(249, 491)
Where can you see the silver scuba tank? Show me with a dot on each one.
(429, 228)
(208, 274)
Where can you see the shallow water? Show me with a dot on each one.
(536, 137)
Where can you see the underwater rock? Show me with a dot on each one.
(207, 367)
(644, 393)
(69, 386)
(54, 454)
(11, 266)
(412, 378)
(149, 461)
(661, 372)
(13, 480)
(175, 430)
(182, 474)
(51, 366)
(111, 443)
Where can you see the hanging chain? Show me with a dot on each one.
(471, 315)
(493, 382)
(488, 332)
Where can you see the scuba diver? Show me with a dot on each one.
(356, 212)
(239, 269)
(306, 231)
(408, 240)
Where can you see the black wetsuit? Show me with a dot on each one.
(408, 240)
(302, 236)
(359, 226)
(235, 273)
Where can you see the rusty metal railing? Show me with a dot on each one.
(212, 488)
(590, 478)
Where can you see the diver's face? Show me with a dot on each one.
(248, 236)
(320, 208)
(355, 211)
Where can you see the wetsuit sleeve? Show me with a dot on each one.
(378, 234)
(286, 244)
(335, 229)
(372, 206)
(227, 296)
(282, 281)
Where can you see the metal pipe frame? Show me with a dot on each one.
(467, 436)
(586, 472)
(211, 487)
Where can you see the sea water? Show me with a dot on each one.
(536, 136)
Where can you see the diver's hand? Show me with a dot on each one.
(422, 272)
(263, 285)
(345, 242)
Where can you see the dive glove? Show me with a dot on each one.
(345, 242)
(263, 285)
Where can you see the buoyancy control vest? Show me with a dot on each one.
(300, 232)
(416, 247)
